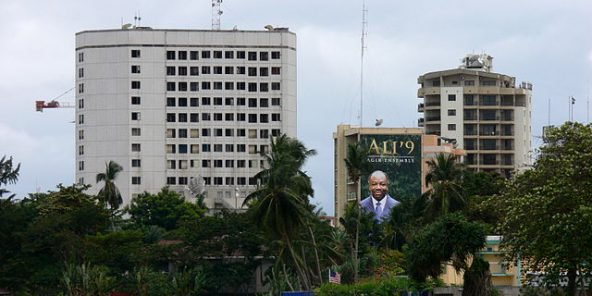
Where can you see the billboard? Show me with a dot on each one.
(399, 157)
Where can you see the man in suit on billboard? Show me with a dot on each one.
(379, 202)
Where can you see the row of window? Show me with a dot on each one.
(194, 71)
(205, 132)
(485, 82)
(205, 116)
(216, 180)
(217, 101)
(172, 133)
(194, 148)
(217, 85)
(137, 180)
(230, 148)
(219, 54)
(228, 70)
(183, 164)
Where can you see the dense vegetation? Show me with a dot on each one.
(66, 242)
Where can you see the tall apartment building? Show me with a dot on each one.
(181, 107)
(486, 113)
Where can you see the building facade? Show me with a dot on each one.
(402, 153)
(504, 275)
(189, 109)
(485, 113)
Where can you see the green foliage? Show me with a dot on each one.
(370, 234)
(165, 209)
(357, 161)
(152, 283)
(8, 174)
(16, 216)
(405, 221)
(46, 230)
(450, 238)
(390, 263)
(445, 194)
(120, 251)
(226, 246)
(546, 212)
(86, 280)
(280, 279)
(110, 194)
(479, 187)
(541, 291)
(384, 287)
(280, 203)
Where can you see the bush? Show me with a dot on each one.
(388, 287)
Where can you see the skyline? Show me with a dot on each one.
(542, 42)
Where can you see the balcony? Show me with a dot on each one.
(498, 269)
(489, 147)
(490, 118)
(488, 133)
(420, 122)
(432, 118)
(490, 162)
(420, 107)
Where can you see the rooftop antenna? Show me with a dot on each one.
(216, 13)
(137, 19)
(363, 47)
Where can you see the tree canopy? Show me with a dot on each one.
(164, 209)
(546, 212)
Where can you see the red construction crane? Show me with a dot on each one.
(40, 105)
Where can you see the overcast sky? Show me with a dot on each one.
(545, 42)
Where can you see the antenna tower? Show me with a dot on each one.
(363, 47)
(216, 13)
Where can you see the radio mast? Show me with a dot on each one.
(363, 47)
(216, 13)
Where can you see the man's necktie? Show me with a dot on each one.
(378, 209)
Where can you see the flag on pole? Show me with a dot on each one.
(334, 277)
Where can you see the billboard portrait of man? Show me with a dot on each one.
(379, 201)
(395, 162)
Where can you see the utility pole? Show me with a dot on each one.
(572, 101)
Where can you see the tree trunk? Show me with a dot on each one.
(356, 253)
(303, 278)
(572, 273)
(314, 243)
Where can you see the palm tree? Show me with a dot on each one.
(280, 203)
(110, 194)
(8, 174)
(444, 179)
(356, 164)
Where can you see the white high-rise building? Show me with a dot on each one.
(181, 107)
(485, 113)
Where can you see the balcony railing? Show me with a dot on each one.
(490, 118)
(489, 147)
(489, 133)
